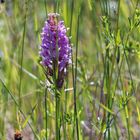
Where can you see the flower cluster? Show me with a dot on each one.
(55, 48)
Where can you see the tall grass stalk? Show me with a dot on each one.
(67, 78)
(106, 63)
(110, 100)
(127, 122)
(45, 4)
(57, 109)
(46, 112)
(73, 72)
(56, 6)
(75, 81)
(22, 50)
(65, 113)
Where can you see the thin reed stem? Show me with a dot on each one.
(112, 68)
(46, 112)
(128, 126)
(45, 4)
(73, 72)
(57, 105)
(56, 6)
(75, 81)
(65, 109)
(22, 51)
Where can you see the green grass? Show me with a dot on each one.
(100, 96)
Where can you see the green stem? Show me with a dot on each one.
(57, 104)
(75, 82)
(65, 104)
(73, 74)
(57, 100)
(45, 3)
(116, 130)
(112, 68)
(56, 6)
(46, 111)
(128, 129)
(22, 50)
(108, 90)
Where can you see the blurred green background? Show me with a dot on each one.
(108, 68)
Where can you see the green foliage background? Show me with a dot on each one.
(108, 68)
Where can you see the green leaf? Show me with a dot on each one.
(28, 117)
(138, 111)
(118, 38)
(90, 4)
(26, 121)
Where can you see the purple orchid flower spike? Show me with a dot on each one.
(55, 48)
